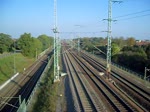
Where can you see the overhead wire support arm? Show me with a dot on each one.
(7, 103)
(117, 1)
(55, 30)
(99, 50)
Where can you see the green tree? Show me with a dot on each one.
(148, 51)
(37, 46)
(135, 49)
(5, 43)
(46, 41)
(30, 46)
(86, 44)
(25, 44)
(115, 49)
(119, 41)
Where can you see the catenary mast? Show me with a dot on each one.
(56, 45)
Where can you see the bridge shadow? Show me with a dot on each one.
(26, 88)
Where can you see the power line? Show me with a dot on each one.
(134, 17)
(133, 13)
(79, 32)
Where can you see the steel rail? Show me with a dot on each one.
(112, 95)
(74, 96)
(82, 95)
(127, 83)
(139, 90)
(26, 88)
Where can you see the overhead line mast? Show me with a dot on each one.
(56, 45)
(108, 69)
(109, 39)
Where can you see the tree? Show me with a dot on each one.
(37, 46)
(148, 51)
(86, 44)
(119, 41)
(115, 49)
(135, 49)
(5, 43)
(46, 41)
(130, 41)
(29, 45)
(25, 44)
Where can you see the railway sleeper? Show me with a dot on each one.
(129, 106)
(99, 106)
(111, 97)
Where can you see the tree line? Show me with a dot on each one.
(28, 45)
(124, 52)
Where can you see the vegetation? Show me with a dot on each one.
(29, 47)
(46, 101)
(7, 65)
(5, 43)
(32, 46)
(115, 49)
(46, 41)
(133, 57)
(124, 51)
(148, 51)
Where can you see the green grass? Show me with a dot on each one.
(7, 65)
(47, 94)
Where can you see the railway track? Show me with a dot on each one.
(115, 100)
(23, 86)
(139, 92)
(74, 95)
(87, 98)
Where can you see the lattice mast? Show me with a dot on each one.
(109, 38)
(109, 34)
(56, 45)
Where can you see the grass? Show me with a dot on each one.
(7, 65)
(47, 95)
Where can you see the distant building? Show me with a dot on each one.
(142, 42)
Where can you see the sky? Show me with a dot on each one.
(85, 17)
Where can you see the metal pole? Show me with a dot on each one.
(54, 39)
(145, 74)
(109, 39)
(56, 45)
(78, 46)
(58, 67)
(19, 99)
(14, 58)
(109, 35)
(36, 54)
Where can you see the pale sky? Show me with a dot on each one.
(36, 17)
